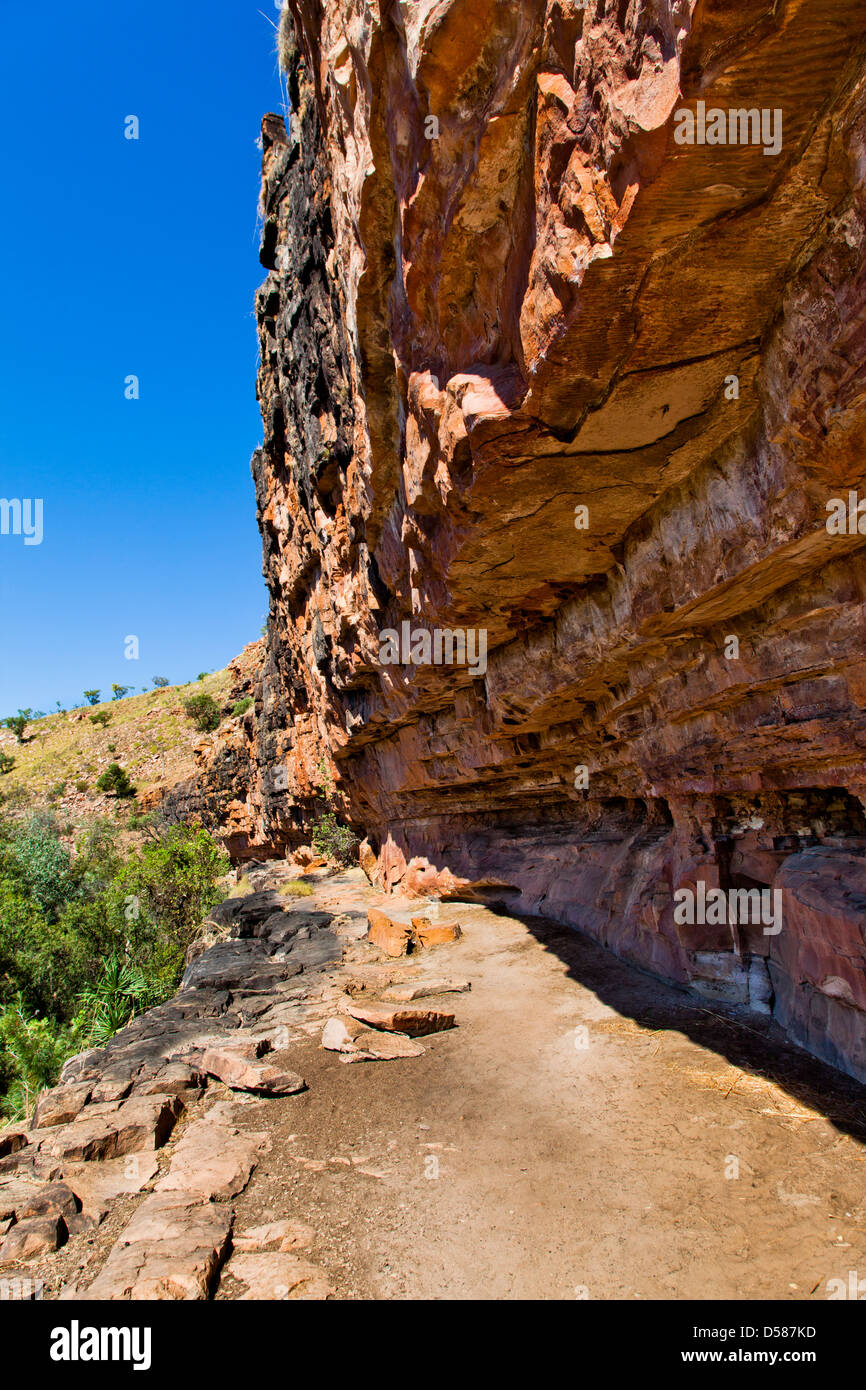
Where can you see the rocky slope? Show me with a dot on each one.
(537, 369)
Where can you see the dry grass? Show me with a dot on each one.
(296, 888)
(149, 735)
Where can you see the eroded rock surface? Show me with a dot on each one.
(532, 368)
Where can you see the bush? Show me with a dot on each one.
(81, 785)
(7, 762)
(333, 840)
(121, 992)
(102, 718)
(242, 706)
(204, 712)
(42, 860)
(32, 1052)
(115, 780)
(87, 941)
(18, 723)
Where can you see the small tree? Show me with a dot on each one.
(7, 762)
(18, 723)
(116, 781)
(92, 696)
(102, 718)
(119, 691)
(160, 682)
(334, 840)
(204, 712)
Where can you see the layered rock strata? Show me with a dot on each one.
(547, 366)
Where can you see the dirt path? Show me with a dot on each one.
(576, 1135)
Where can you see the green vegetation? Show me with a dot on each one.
(120, 692)
(116, 781)
(296, 889)
(334, 840)
(102, 718)
(204, 712)
(91, 933)
(160, 682)
(7, 762)
(242, 705)
(92, 696)
(330, 836)
(18, 723)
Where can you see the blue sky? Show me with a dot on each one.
(121, 257)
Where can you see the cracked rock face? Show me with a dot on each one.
(536, 365)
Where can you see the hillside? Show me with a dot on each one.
(149, 735)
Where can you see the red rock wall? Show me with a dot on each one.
(500, 291)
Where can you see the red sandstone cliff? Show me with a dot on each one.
(534, 366)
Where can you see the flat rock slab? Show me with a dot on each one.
(319, 950)
(404, 994)
(172, 1248)
(278, 1276)
(372, 1046)
(277, 1235)
(236, 964)
(415, 1022)
(174, 1079)
(266, 1078)
(213, 1157)
(144, 1122)
(339, 1033)
(97, 1185)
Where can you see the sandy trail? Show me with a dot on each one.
(576, 1135)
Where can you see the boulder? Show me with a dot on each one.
(242, 1074)
(61, 1105)
(428, 934)
(389, 935)
(30, 1239)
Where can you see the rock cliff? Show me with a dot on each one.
(563, 378)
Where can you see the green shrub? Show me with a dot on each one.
(116, 781)
(160, 682)
(81, 785)
(102, 718)
(242, 706)
(18, 723)
(7, 762)
(42, 860)
(204, 712)
(333, 840)
(32, 1053)
(121, 991)
(87, 941)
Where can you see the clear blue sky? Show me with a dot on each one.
(122, 257)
